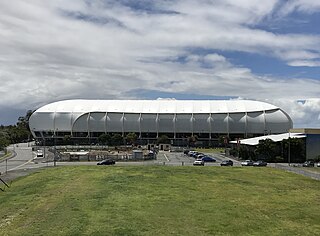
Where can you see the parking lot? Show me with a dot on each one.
(179, 158)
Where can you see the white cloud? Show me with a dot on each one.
(102, 49)
(304, 63)
(305, 114)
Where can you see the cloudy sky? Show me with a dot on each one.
(145, 49)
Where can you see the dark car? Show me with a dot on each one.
(208, 159)
(308, 164)
(260, 163)
(186, 152)
(106, 162)
(226, 163)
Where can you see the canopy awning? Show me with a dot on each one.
(274, 137)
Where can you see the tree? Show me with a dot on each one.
(223, 141)
(297, 150)
(4, 141)
(16, 133)
(192, 140)
(266, 150)
(131, 138)
(116, 140)
(67, 139)
(163, 139)
(104, 139)
(246, 153)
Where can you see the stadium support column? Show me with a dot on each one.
(122, 125)
(228, 125)
(246, 125)
(140, 118)
(71, 124)
(192, 120)
(210, 128)
(264, 122)
(174, 125)
(88, 125)
(105, 122)
(157, 125)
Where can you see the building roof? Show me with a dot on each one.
(158, 106)
(305, 131)
(274, 137)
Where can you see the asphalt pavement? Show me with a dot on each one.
(24, 159)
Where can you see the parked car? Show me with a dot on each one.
(208, 159)
(106, 162)
(198, 162)
(308, 164)
(226, 163)
(247, 163)
(186, 152)
(199, 155)
(260, 163)
(318, 164)
(40, 153)
(192, 153)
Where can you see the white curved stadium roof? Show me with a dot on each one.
(157, 106)
(162, 115)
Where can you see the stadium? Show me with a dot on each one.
(85, 120)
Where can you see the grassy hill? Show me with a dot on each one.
(160, 200)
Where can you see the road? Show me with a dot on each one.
(24, 159)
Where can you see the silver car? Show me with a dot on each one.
(198, 162)
(260, 163)
(247, 163)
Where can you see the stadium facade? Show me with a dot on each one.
(149, 119)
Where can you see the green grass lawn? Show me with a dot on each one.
(161, 200)
(210, 150)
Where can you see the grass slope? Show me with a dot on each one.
(160, 200)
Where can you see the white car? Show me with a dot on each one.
(247, 163)
(39, 153)
(318, 164)
(198, 162)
